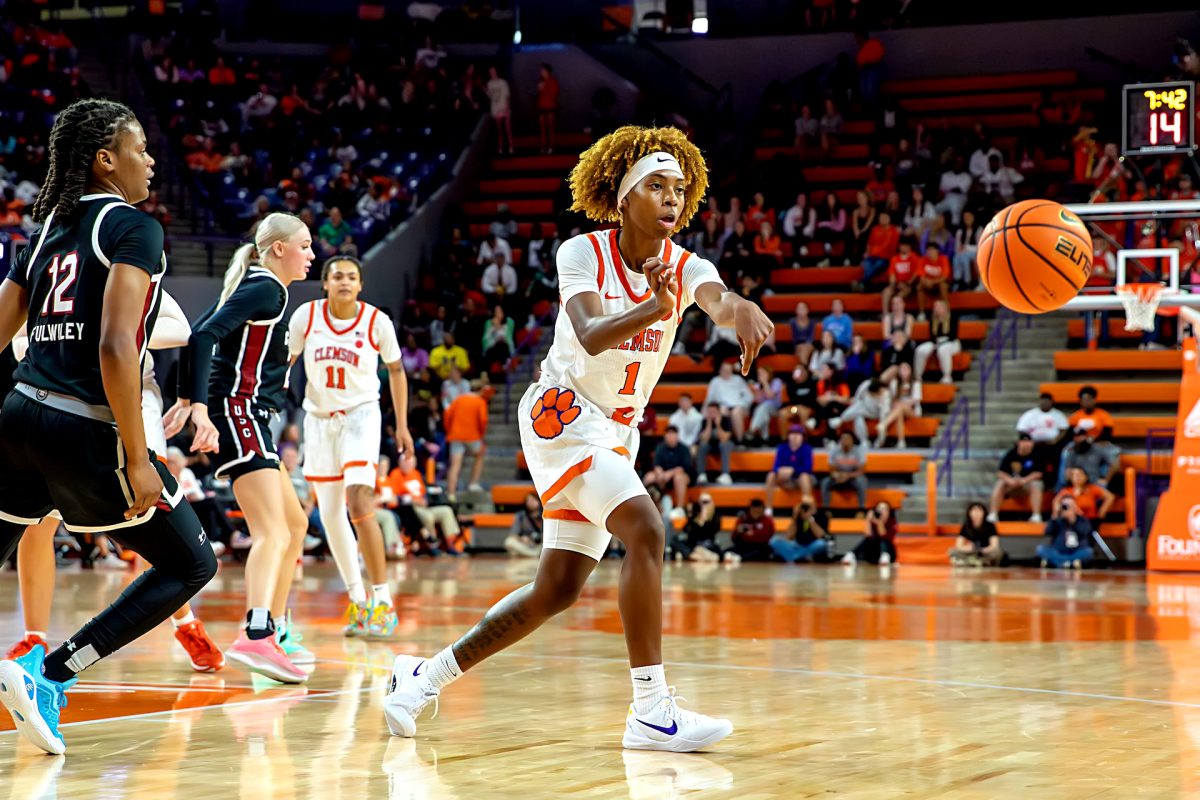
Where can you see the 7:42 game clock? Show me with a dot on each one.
(1159, 118)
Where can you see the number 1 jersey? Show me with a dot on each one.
(619, 380)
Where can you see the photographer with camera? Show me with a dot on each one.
(879, 544)
(806, 538)
(1069, 536)
(698, 539)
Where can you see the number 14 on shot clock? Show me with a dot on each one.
(1159, 118)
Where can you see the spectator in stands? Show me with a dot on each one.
(880, 186)
(902, 273)
(878, 545)
(862, 220)
(504, 225)
(204, 503)
(896, 318)
(768, 399)
(937, 233)
(933, 279)
(448, 355)
(698, 539)
(547, 107)
(672, 469)
(832, 227)
(1092, 500)
(411, 491)
(882, 243)
(259, 106)
(801, 399)
(1000, 181)
(898, 352)
(1019, 474)
(977, 544)
(831, 127)
(336, 236)
(499, 280)
(730, 391)
(955, 186)
(466, 427)
(829, 352)
(721, 345)
(736, 253)
(803, 333)
(759, 212)
(806, 537)
(832, 393)
(500, 97)
(687, 420)
(498, 343)
(906, 403)
(943, 341)
(860, 362)
(919, 214)
(807, 131)
(1090, 417)
(734, 215)
(752, 533)
(847, 469)
(869, 59)
(768, 248)
(454, 386)
(1044, 423)
(716, 434)
(492, 246)
(872, 400)
(1069, 534)
(793, 468)
(437, 328)
(705, 242)
(839, 323)
(1094, 458)
(414, 357)
(800, 225)
(977, 165)
(966, 245)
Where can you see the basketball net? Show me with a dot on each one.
(1141, 303)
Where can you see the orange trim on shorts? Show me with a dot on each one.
(567, 514)
(621, 451)
(350, 464)
(568, 476)
(623, 415)
(323, 478)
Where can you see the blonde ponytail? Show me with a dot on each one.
(274, 227)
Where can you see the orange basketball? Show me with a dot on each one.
(1034, 256)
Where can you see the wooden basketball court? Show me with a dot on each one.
(919, 682)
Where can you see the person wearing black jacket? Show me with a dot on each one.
(698, 539)
(898, 351)
(977, 544)
(943, 340)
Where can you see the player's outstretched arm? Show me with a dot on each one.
(14, 308)
(730, 310)
(598, 332)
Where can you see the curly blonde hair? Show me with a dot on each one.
(597, 176)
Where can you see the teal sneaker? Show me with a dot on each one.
(358, 617)
(33, 700)
(383, 621)
(289, 639)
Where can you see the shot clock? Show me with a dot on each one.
(1159, 118)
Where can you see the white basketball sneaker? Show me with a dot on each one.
(408, 693)
(669, 727)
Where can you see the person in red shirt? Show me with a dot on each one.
(221, 75)
(752, 535)
(547, 106)
(882, 243)
(1092, 499)
(870, 66)
(880, 186)
(758, 212)
(902, 273)
(933, 278)
(768, 248)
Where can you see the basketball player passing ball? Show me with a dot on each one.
(343, 340)
(71, 432)
(624, 292)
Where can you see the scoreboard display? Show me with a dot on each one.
(1159, 118)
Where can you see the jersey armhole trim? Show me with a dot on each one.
(37, 250)
(312, 312)
(96, 232)
(599, 261)
(371, 329)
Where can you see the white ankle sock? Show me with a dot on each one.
(382, 594)
(649, 687)
(442, 670)
(357, 593)
(40, 634)
(185, 620)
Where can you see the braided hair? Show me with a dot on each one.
(81, 129)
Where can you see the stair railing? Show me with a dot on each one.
(991, 356)
(955, 442)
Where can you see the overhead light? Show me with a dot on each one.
(517, 36)
(700, 26)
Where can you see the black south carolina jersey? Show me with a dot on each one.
(65, 272)
(247, 339)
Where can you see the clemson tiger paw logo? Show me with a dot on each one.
(553, 411)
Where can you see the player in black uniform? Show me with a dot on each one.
(71, 434)
(236, 363)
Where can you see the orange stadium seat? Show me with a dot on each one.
(1134, 392)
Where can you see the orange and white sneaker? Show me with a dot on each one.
(203, 652)
(265, 657)
(25, 645)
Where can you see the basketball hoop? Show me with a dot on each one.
(1141, 303)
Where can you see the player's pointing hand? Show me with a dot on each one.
(753, 328)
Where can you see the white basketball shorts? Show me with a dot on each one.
(343, 446)
(581, 461)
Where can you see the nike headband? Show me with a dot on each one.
(655, 162)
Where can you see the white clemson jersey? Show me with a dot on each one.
(341, 356)
(619, 380)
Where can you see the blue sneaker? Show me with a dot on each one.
(33, 700)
